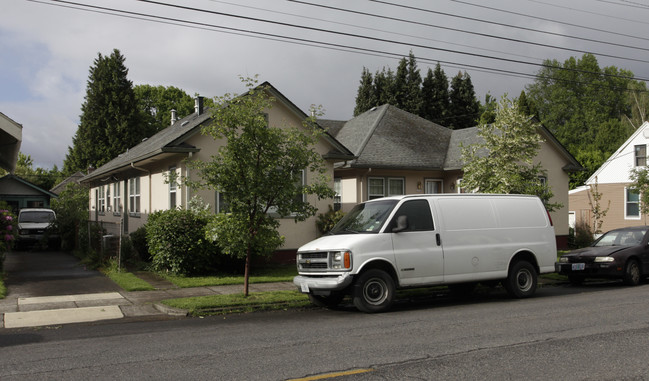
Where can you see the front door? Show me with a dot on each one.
(419, 256)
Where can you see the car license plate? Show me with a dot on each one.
(578, 266)
(305, 288)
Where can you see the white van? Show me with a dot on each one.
(425, 240)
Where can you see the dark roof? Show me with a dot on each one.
(390, 138)
(172, 140)
(387, 137)
(331, 126)
(60, 187)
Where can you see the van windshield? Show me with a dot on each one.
(365, 218)
(36, 217)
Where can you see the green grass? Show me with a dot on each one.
(3, 289)
(127, 281)
(224, 304)
(267, 275)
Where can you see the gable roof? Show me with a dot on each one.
(74, 178)
(172, 141)
(622, 177)
(20, 180)
(388, 137)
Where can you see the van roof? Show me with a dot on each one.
(451, 195)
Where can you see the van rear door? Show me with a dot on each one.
(417, 250)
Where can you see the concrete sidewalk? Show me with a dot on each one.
(66, 309)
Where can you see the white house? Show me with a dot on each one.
(613, 180)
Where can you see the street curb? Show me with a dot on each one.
(171, 311)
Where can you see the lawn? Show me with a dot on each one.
(262, 275)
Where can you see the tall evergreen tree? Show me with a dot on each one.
(384, 87)
(412, 101)
(110, 120)
(401, 84)
(464, 106)
(435, 97)
(366, 97)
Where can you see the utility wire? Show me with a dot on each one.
(299, 41)
(555, 22)
(588, 12)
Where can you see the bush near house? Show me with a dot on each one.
(177, 244)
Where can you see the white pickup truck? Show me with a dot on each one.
(425, 240)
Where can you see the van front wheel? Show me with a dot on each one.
(374, 291)
(522, 280)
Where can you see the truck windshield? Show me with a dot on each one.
(365, 218)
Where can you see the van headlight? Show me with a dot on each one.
(341, 260)
(563, 259)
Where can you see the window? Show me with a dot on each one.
(377, 188)
(108, 209)
(134, 195)
(222, 204)
(101, 199)
(173, 187)
(433, 186)
(299, 183)
(632, 204)
(641, 155)
(338, 196)
(117, 202)
(418, 214)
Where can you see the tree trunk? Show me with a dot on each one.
(246, 274)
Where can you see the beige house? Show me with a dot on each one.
(612, 180)
(400, 153)
(11, 135)
(133, 185)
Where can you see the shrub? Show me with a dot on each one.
(138, 240)
(583, 234)
(327, 221)
(177, 243)
(7, 231)
(71, 209)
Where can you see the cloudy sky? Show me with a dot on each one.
(313, 51)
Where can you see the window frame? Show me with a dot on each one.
(640, 161)
(173, 189)
(101, 199)
(134, 196)
(627, 190)
(117, 199)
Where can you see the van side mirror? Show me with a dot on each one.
(402, 224)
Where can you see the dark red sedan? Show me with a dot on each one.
(620, 253)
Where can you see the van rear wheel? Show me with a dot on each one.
(373, 291)
(522, 280)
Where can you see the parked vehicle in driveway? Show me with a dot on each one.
(425, 240)
(620, 253)
(34, 226)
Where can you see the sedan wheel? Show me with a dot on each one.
(632, 273)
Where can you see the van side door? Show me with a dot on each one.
(417, 250)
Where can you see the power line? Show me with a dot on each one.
(608, 16)
(295, 40)
(553, 21)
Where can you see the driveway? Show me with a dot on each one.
(48, 273)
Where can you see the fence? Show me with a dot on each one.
(106, 239)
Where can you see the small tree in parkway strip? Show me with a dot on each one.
(260, 173)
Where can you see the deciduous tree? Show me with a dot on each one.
(260, 172)
(504, 161)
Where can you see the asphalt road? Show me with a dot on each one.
(45, 273)
(592, 332)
